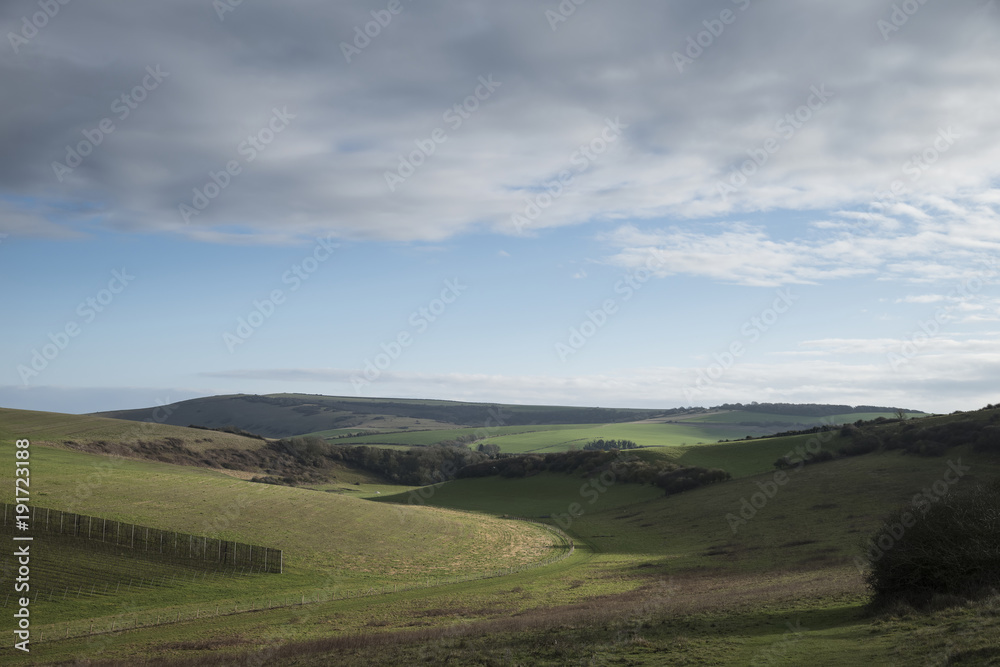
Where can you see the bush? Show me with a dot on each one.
(686, 479)
(929, 448)
(952, 550)
(989, 440)
(863, 444)
(609, 445)
(822, 456)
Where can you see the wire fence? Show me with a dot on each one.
(143, 539)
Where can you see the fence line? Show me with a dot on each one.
(182, 546)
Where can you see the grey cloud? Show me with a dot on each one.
(325, 172)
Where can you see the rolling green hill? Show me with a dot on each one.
(715, 575)
(55, 428)
(282, 415)
(332, 543)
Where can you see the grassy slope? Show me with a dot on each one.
(716, 597)
(804, 540)
(531, 497)
(282, 415)
(55, 428)
(330, 540)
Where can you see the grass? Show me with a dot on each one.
(433, 437)
(320, 533)
(751, 457)
(654, 579)
(534, 497)
(56, 428)
(645, 435)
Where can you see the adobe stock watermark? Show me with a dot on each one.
(591, 491)
(86, 486)
(420, 320)
(920, 504)
(249, 149)
(767, 490)
(562, 12)
(122, 106)
(899, 16)
(750, 333)
(87, 311)
(455, 116)
(776, 654)
(38, 21)
(698, 43)
(785, 128)
(928, 329)
(448, 471)
(914, 167)
(223, 7)
(581, 160)
(595, 320)
(364, 34)
(264, 309)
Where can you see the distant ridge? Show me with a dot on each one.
(808, 409)
(285, 415)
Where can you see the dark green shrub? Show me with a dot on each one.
(685, 479)
(951, 550)
(822, 456)
(929, 448)
(989, 440)
(864, 444)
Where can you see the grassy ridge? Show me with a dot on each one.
(282, 415)
(55, 428)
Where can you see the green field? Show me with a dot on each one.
(680, 431)
(433, 437)
(652, 580)
(745, 416)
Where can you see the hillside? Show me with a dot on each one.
(283, 415)
(411, 422)
(60, 429)
(704, 575)
(699, 577)
(334, 545)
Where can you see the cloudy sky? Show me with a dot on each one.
(635, 203)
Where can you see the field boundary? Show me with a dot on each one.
(182, 547)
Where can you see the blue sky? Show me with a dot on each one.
(651, 274)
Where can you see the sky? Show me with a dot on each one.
(629, 204)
